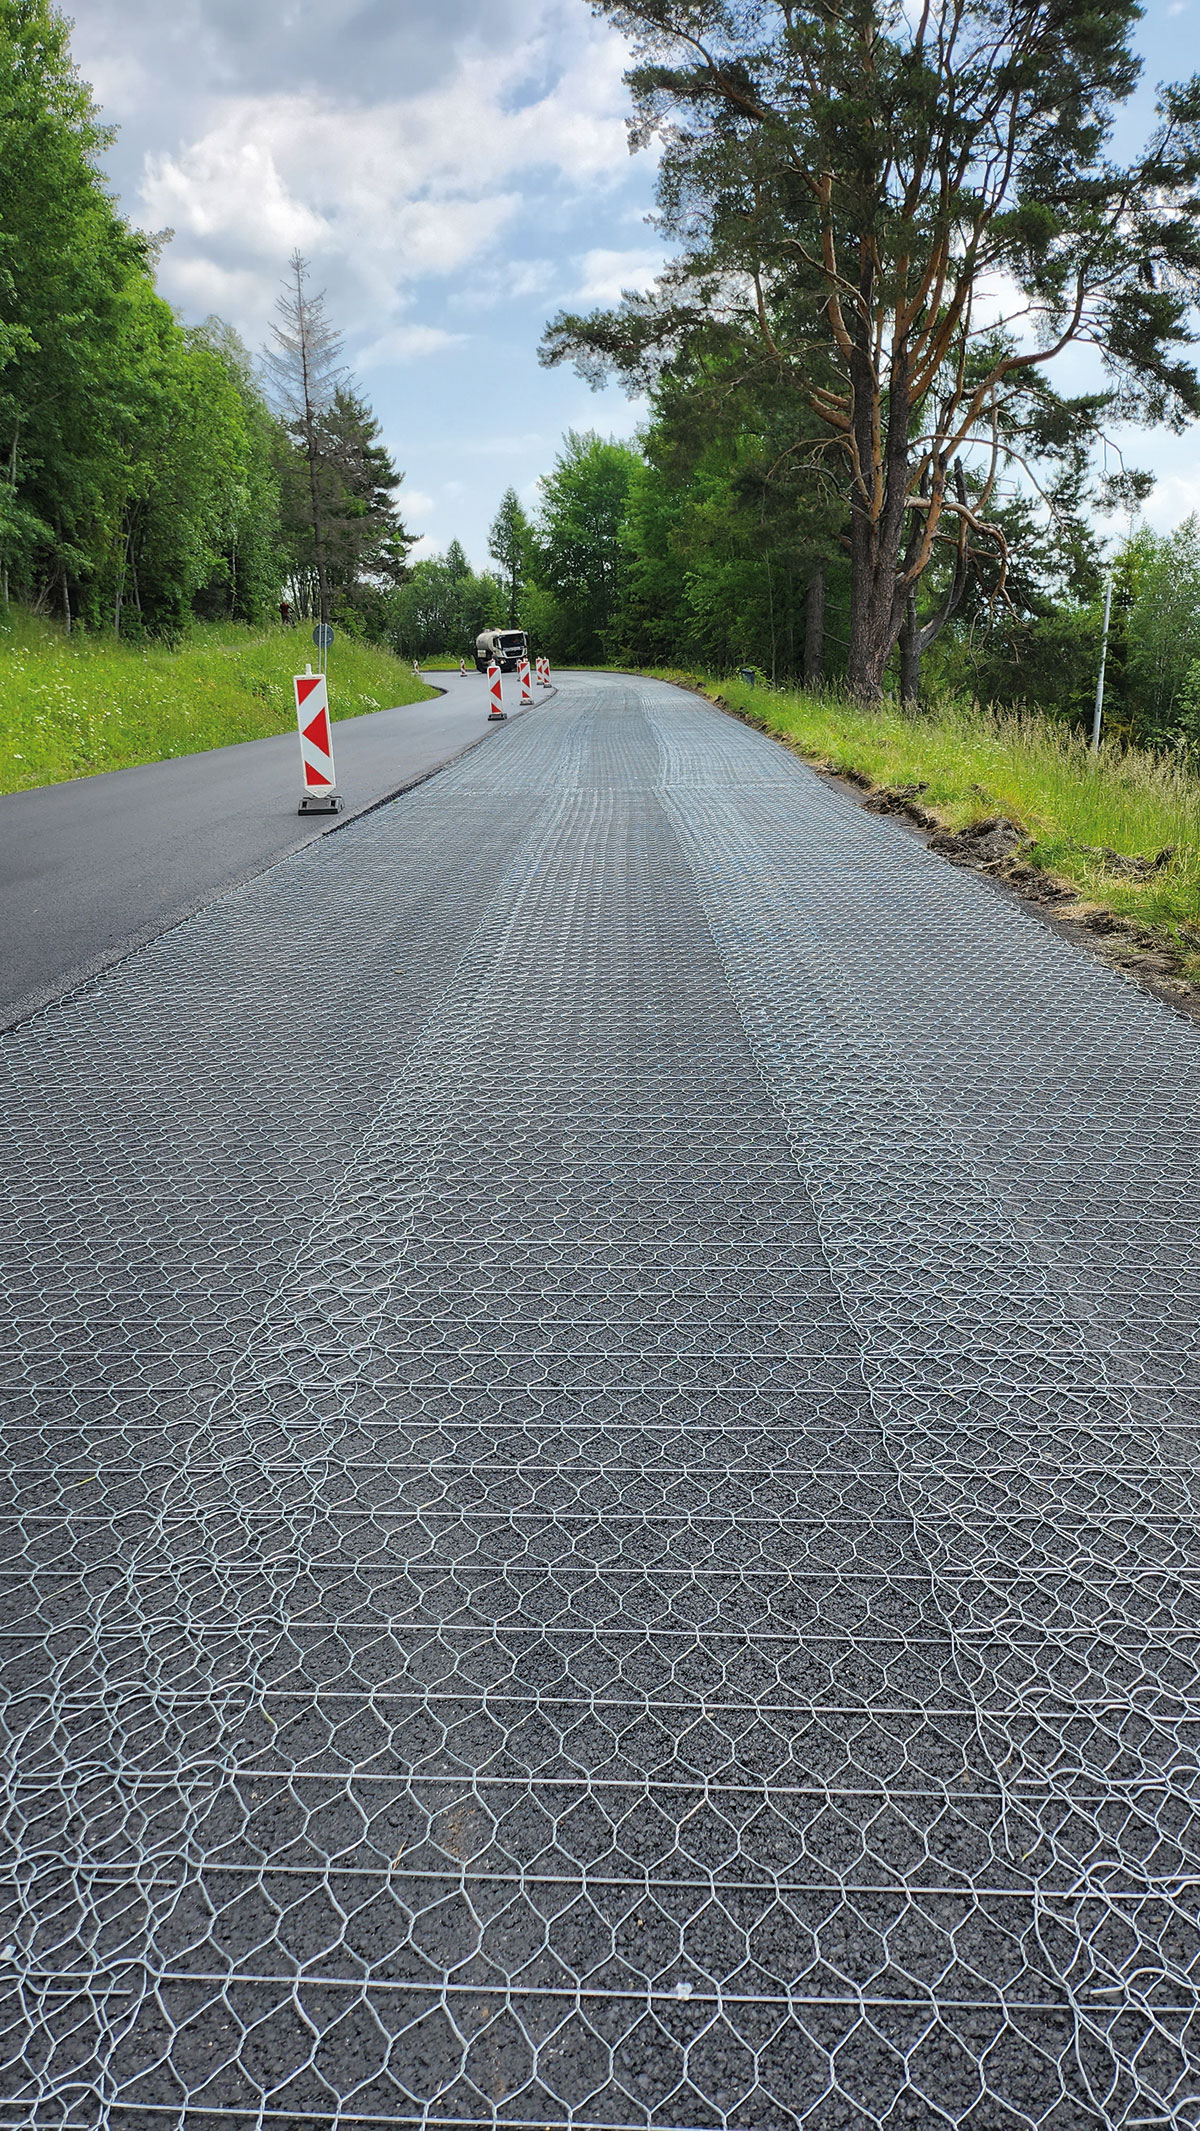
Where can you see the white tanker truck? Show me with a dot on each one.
(501, 647)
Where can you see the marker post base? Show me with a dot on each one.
(320, 794)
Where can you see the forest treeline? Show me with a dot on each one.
(852, 471)
(649, 554)
(148, 473)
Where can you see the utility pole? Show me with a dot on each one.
(1098, 713)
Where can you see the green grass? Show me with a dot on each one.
(1044, 778)
(74, 705)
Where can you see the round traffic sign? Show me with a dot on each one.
(323, 635)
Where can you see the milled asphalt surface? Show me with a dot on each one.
(601, 1478)
(97, 865)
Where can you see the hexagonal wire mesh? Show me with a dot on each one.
(601, 1436)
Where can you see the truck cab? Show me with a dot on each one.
(501, 647)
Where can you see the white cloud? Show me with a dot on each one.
(154, 65)
(121, 83)
(1174, 498)
(209, 189)
(402, 344)
(444, 168)
(200, 285)
(607, 274)
(380, 195)
(997, 299)
(504, 281)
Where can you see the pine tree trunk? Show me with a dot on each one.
(910, 656)
(814, 628)
(877, 518)
(873, 616)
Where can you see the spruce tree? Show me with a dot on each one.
(304, 367)
(510, 543)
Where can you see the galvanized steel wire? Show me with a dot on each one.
(600, 1439)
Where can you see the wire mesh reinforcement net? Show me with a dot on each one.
(601, 1449)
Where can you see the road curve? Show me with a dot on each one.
(601, 1449)
(98, 865)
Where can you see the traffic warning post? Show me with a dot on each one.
(543, 674)
(496, 693)
(320, 794)
(523, 674)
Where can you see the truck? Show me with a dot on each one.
(504, 648)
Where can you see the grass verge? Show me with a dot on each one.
(1092, 832)
(73, 705)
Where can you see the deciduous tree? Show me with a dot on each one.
(582, 555)
(133, 454)
(510, 545)
(443, 606)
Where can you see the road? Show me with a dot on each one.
(601, 1452)
(91, 868)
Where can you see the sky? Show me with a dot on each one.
(455, 171)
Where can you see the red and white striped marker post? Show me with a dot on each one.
(496, 690)
(541, 673)
(545, 673)
(320, 795)
(526, 690)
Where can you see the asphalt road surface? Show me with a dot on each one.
(90, 868)
(601, 1459)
